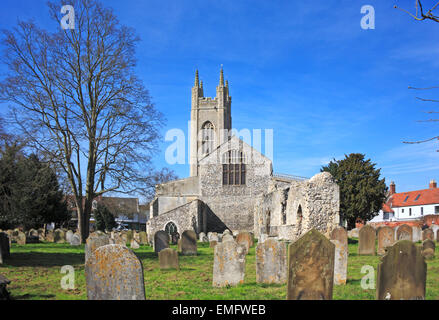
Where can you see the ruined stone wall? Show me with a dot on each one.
(185, 217)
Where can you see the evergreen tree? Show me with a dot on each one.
(362, 192)
(104, 218)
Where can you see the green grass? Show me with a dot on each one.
(34, 270)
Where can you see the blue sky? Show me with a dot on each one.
(303, 68)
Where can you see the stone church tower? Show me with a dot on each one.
(211, 121)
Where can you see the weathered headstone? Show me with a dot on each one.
(310, 267)
(271, 262)
(386, 238)
(136, 236)
(212, 236)
(227, 237)
(428, 248)
(134, 244)
(246, 239)
(168, 259)
(41, 235)
(113, 272)
(32, 233)
(366, 241)
(75, 240)
(21, 238)
(69, 235)
(339, 233)
(203, 238)
(340, 262)
(416, 234)
(188, 243)
(402, 273)
(94, 241)
(143, 237)
(427, 234)
(404, 232)
(228, 264)
(161, 241)
(227, 231)
(213, 243)
(59, 236)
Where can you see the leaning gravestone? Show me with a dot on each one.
(340, 262)
(428, 248)
(228, 264)
(310, 267)
(188, 243)
(59, 236)
(246, 239)
(416, 234)
(386, 238)
(168, 259)
(75, 240)
(428, 234)
(113, 272)
(161, 241)
(95, 241)
(366, 241)
(402, 273)
(404, 232)
(271, 262)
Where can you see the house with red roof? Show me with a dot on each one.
(411, 205)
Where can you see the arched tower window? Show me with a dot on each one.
(234, 170)
(171, 228)
(207, 134)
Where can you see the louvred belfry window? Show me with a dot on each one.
(234, 170)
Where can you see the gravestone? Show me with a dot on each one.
(427, 234)
(136, 236)
(129, 234)
(428, 248)
(134, 244)
(143, 237)
(212, 236)
(353, 233)
(203, 238)
(69, 235)
(340, 262)
(228, 264)
(404, 232)
(20, 238)
(339, 233)
(227, 237)
(402, 273)
(227, 231)
(212, 243)
(33, 233)
(188, 243)
(59, 236)
(161, 241)
(366, 241)
(113, 272)
(246, 239)
(94, 241)
(75, 240)
(118, 239)
(168, 259)
(310, 267)
(271, 262)
(124, 238)
(435, 229)
(41, 235)
(416, 234)
(386, 238)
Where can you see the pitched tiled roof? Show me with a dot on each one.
(386, 208)
(414, 198)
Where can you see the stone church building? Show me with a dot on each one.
(232, 185)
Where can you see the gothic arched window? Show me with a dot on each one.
(171, 228)
(234, 170)
(207, 134)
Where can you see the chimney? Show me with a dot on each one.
(433, 184)
(392, 188)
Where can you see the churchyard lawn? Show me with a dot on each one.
(35, 273)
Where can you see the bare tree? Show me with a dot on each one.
(77, 99)
(420, 13)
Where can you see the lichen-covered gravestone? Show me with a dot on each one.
(161, 241)
(75, 240)
(113, 272)
(213, 236)
(339, 233)
(228, 264)
(203, 238)
(271, 262)
(386, 238)
(310, 267)
(366, 241)
(94, 241)
(404, 232)
(246, 239)
(59, 236)
(402, 273)
(227, 237)
(213, 243)
(188, 243)
(340, 262)
(168, 259)
(428, 248)
(428, 234)
(143, 237)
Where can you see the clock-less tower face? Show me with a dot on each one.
(210, 121)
